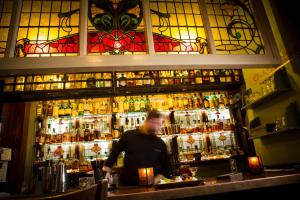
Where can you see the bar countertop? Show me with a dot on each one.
(210, 187)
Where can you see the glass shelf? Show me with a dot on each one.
(281, 131)
(265, 98)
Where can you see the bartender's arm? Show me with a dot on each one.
(165, 165)
(113, 156)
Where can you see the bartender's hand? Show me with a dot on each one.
(107, 170)
(157, 178)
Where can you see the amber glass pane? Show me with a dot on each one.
(119, 30)
(48, 28)
(5, 15)
(178, 27)
(233, 27)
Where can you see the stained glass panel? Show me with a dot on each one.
(178, 27)
(234, 27)
(5, 15)
(116, 27)
(48, 28)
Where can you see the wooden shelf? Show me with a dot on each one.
(112, 91)
(265, 98)
(265, 133)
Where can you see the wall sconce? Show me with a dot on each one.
(146, 176)
(255, 165)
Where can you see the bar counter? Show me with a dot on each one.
(210, 187)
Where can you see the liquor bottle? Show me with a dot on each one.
(86, 107)
(236, 75)
(50, 109)
(147, 104)
(107, 82)
(45, 109)
(170, 102)
(163, 80)
(139, 81)
(142, 104)
(80, 107)
(211, 76)
(131, 104)
(126, 105)
(220, 100)
(61, 111)
(206, 102)
(120, 105)
(185, 75)
(68, 109)
(177, 79)
(228, 76)
(147, 78)
(217, 75)
(191, 77)
(39, 109)
(170, 75)
(198, 79)
(122, 81)
(136, 104)
(74, 111)
(222, 76)
(55, 109)
(205, 77)
(115, 106)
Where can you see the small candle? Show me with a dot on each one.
(255, 165)
(146, 176)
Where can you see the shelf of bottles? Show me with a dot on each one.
(83, 129)
(49, 82)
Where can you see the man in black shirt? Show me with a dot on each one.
(142, 149)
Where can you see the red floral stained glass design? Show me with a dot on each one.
(115, 42)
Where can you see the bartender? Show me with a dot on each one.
(143, 148)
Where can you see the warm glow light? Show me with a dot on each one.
(255, 165)
(146, 176)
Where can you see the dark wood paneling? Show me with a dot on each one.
(15, 117)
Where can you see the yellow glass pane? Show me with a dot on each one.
(181, 20)
(34, 19)
(5, 19)
(216, 34)
(46, 6)
(198, 20)
(190, 20)
(56, 6)
(32, 33)
(173, 21)
(36, 6)
(43, 34)
(45, 19)
(224, 34)
(8, 5)
(187, 8)
(170, 7)
(24, 21)
(221, 22)
(22, 33)
(179, 8)
(175, 32)
(75, 20)
(195, 8)
(75, 5)
(54, 21)
(3, 34)
(53, 33)
(26, 6)
(65, 7)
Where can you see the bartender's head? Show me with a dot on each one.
(154, 122)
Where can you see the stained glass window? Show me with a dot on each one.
(178, 27)
(116, 27)
(48, 28)
(233, 27)
(5, 15)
